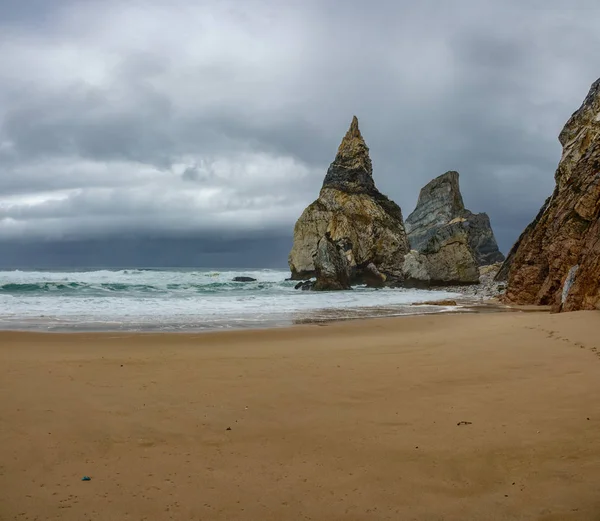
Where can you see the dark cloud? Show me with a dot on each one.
(150, 252)
(217, 117)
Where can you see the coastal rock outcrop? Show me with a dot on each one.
(446, 259)
(441, 210)
(351, 209)
(556, 261)
(332, 268)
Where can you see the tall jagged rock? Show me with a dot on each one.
(350, 208)
(440, 209)
(556, 261)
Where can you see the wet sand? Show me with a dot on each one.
(357, 420)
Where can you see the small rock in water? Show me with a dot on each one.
(243, 279)
(304, 285)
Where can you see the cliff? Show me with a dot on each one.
(556, 261)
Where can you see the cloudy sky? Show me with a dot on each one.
(196, 131)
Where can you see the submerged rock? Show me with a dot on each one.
(305, 285)
(441, 210)
(243, 279)
(351, 209)
(556, 260)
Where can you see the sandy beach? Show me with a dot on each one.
(448, 417)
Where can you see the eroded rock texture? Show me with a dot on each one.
(556, 261)
(332, 268)
(440, 210)
(351, 209)
(446, 259)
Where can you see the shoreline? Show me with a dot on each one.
(464, 307)
(176, 301)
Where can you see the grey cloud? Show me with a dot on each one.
(84, 121)
(193, 173)
(247, 106)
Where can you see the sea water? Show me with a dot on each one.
(185, 300)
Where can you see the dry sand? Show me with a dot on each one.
(352, 421)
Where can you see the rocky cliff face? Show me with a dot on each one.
(440, 209)
(556, 261)
(351, 209)
(445, 259)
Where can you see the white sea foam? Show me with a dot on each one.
(183, 300)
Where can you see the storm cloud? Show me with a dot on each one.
(189, 120)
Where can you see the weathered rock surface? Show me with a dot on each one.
(556, 261)
(445, 259)
(351, 209)
(440, 206)
(332, 268)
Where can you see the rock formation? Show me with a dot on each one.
(556, 261)
(440, 210)
(448, 241)
(372, 277)
(446, 259)
(332, 268)
(351, 209)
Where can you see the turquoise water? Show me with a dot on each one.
(183, 300)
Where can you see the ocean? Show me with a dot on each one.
(185, 300)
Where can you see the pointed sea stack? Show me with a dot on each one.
(351, 170)
(556, 261)
(351, 211)
(440, 210)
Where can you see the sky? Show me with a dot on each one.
(194, 132)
